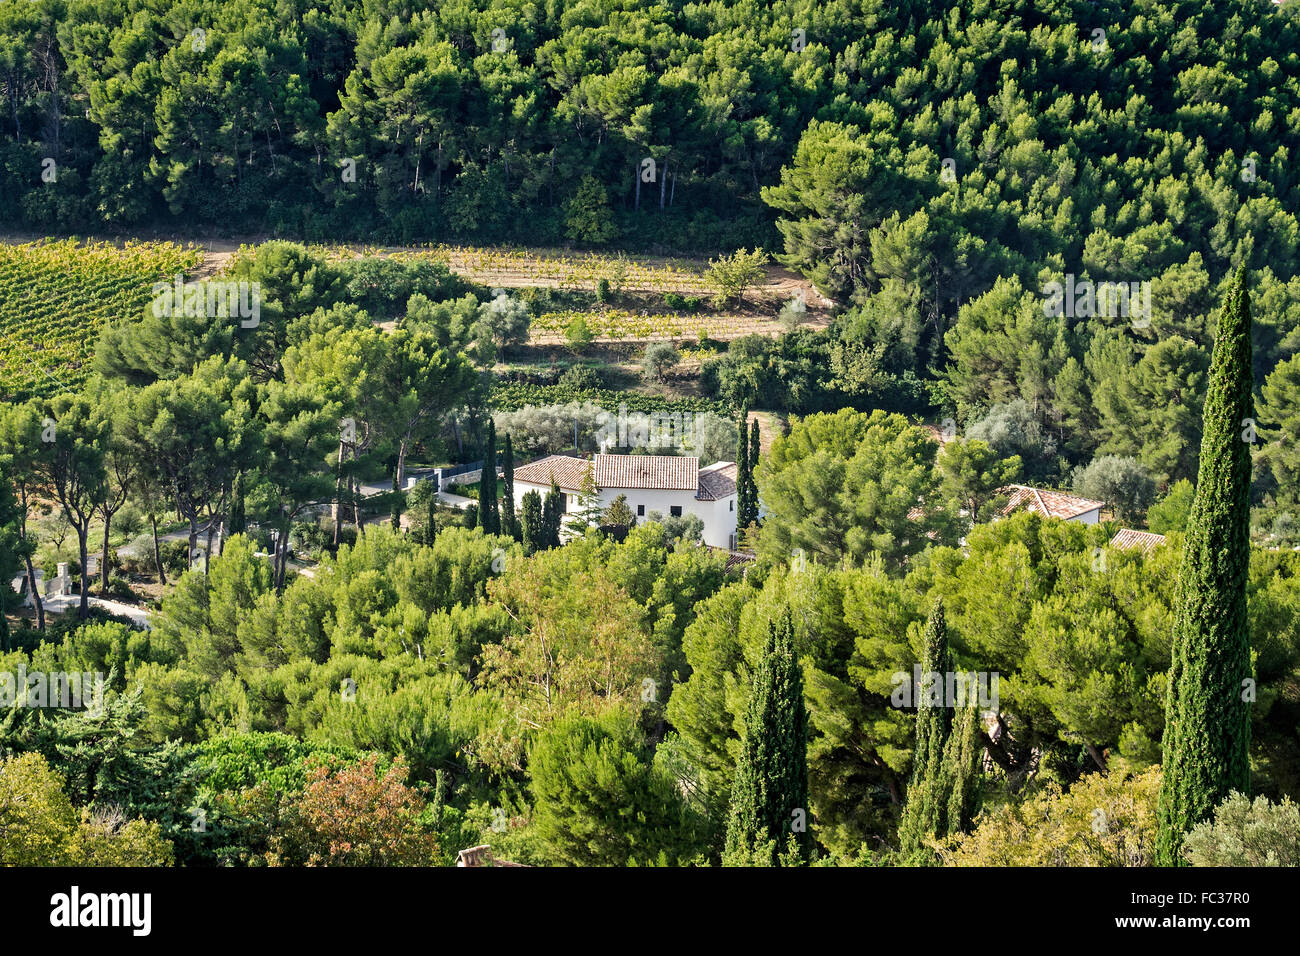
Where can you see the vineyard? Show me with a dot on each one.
(514, 396)
(569, 270)
(517, 268)
(616, 325)
(55, 297)
(649, 279)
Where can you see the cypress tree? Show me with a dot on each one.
(14, 549)
(925, 799)
(1207, 723)
(768, 817)
(961, 770)
(753, 448)
(945, 768)
(509, 522)
(742, 445)
(532, 530)
(552, 515)
(489, 518)
(744, 474)
(238, 521)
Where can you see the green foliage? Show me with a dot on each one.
(587, 216)
(733, 275)
(618, 514)
(599, 800)
(1207, 724)
(925, 815)
(973, 472)
(768, 819)
(1171, 512)
(40, 826)
(1122, 483)
(841, 486)
(1103, 820)
(1243, 833)
(659, 359)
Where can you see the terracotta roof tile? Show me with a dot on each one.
(567, 471)
(1127, 539)
(664, 472)
(718, 482)
(1049, 504)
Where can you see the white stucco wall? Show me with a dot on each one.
(719, 517)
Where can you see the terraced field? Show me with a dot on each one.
(56, 296)
(646, 279)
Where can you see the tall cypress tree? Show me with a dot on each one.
(751, 501)
(744, 473)
(768, 817)
(552, 515)
(14, 549)
(509, 522)
(238, 521)
(532, 524)
(961, 768)
(489, 518)
(1207, 721)
(925, 800)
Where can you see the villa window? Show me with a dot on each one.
(640, 511)
(675, 511)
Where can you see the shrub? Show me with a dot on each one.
(1013, 429)
(1120, 482)
(659, 358)
(581, 377)
(1243, 833)
(733, 275)
(355, 816)
(579, 333)
(310, 537)
(1170, 512)
(175, 556)
(1102, 820)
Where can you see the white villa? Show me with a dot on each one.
(669, 484)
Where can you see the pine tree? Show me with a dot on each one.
(768, 817)
(925, 799)
(587, 511)
(509, 522)
(489, 518)
(1207, 722)
(619, 514)
(532, 529)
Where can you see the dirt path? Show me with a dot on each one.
(770, 425)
